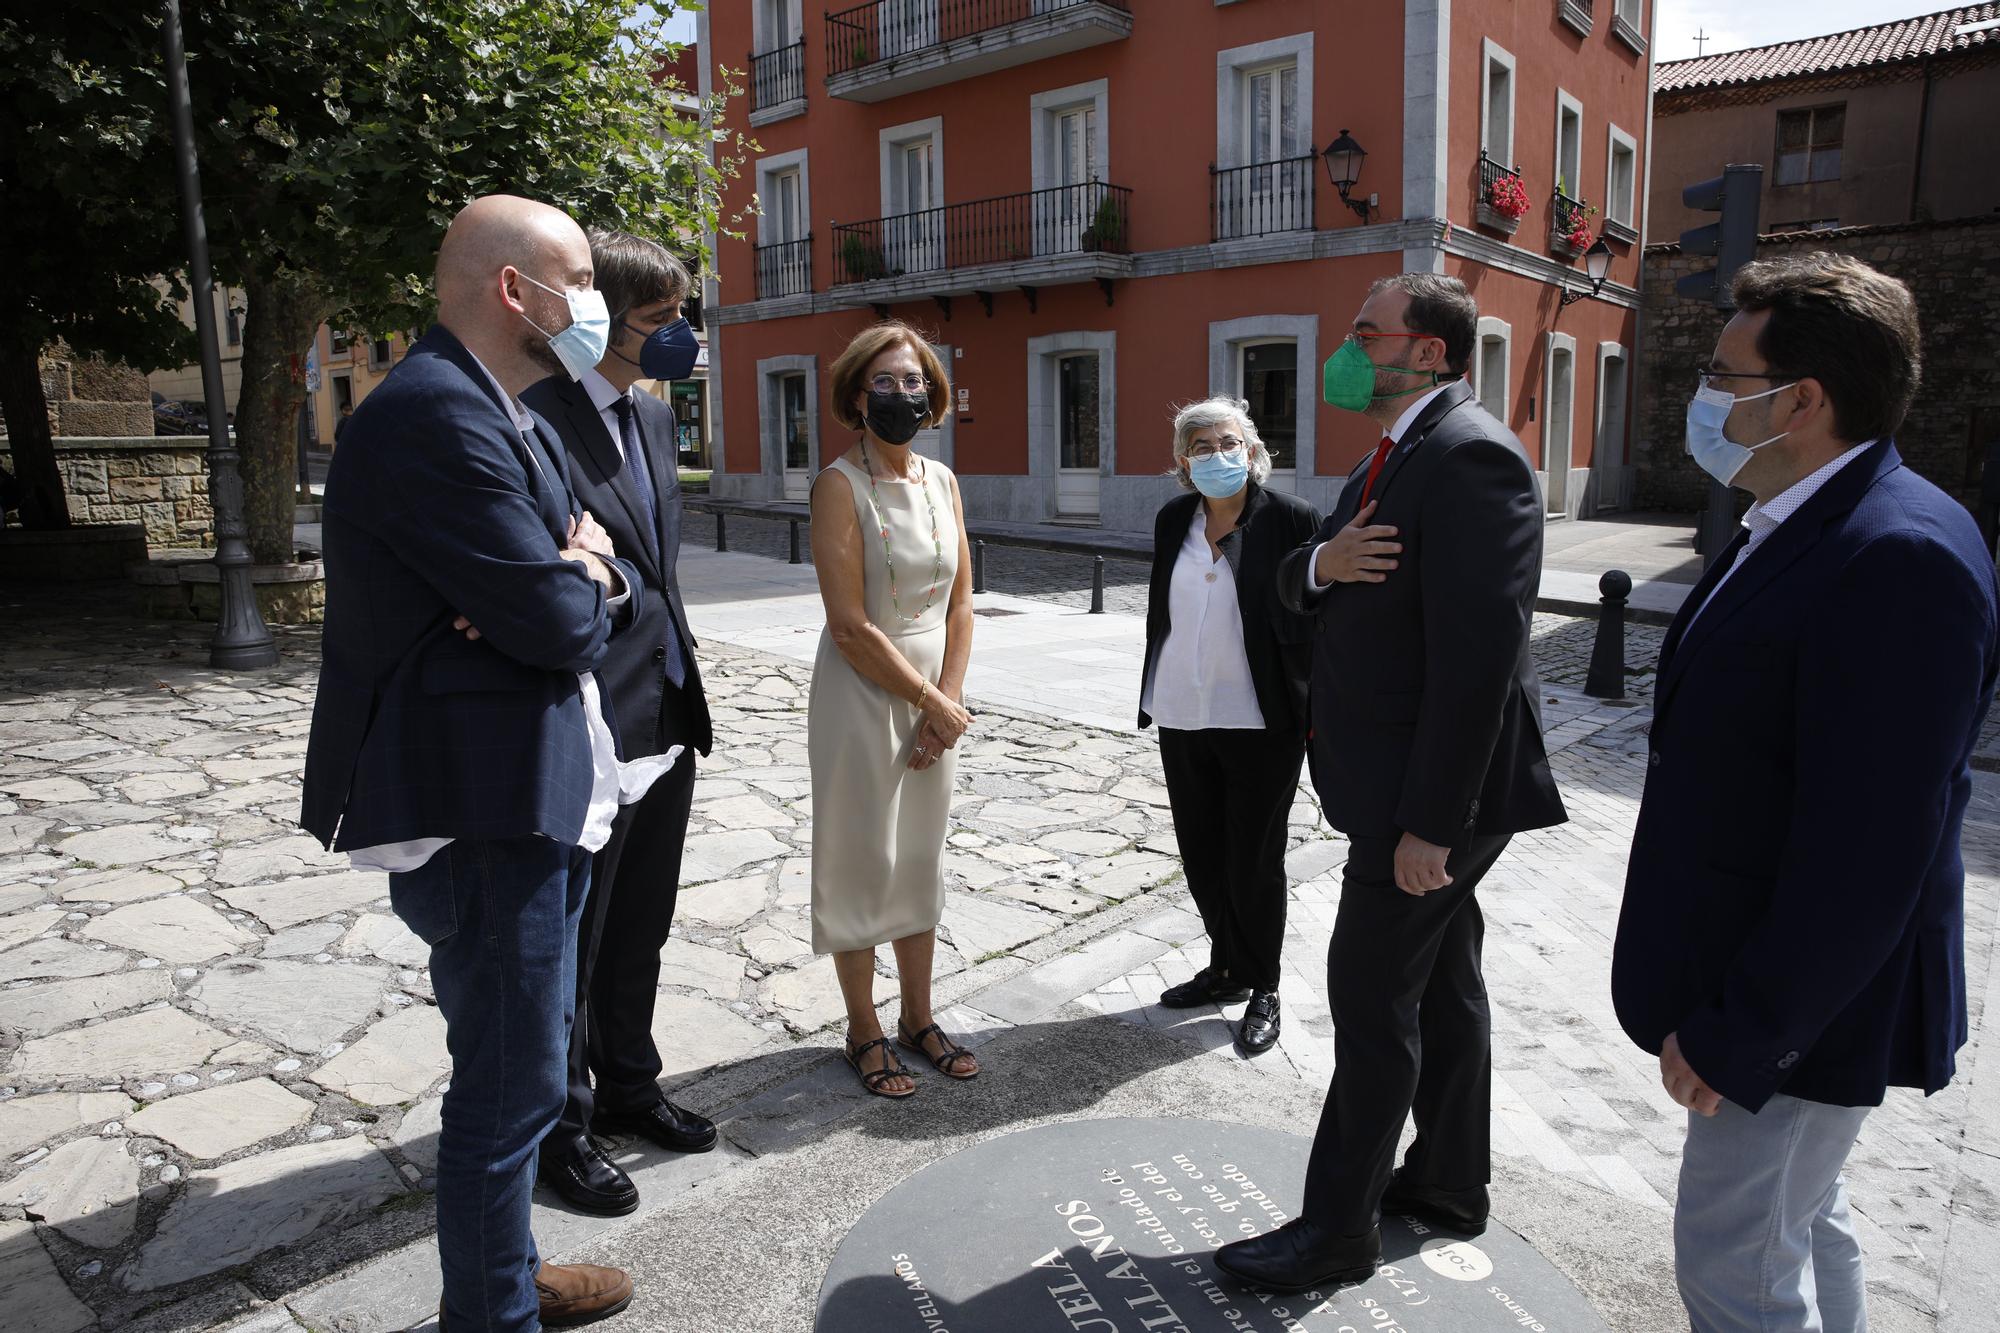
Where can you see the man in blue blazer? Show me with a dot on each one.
(458, 739)
(1792, 937)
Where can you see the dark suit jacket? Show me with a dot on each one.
(634, 669)
(1277, 642)
(1426, 711)
(437, 506)
(1794, 904)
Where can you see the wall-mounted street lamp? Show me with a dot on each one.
(1597, 261)
(1343, 167)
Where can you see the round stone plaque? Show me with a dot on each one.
(1110, 1226)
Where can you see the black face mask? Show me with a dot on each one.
(897, 417)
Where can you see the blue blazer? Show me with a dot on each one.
(437, 506)
(1794, 904)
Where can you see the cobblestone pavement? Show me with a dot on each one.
(217, 1044)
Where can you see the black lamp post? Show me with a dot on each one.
(1597, 261)
(242, 640)
(1343, 167)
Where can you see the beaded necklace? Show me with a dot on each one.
(937, 540)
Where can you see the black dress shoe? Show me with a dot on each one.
(1464, 1210)
(1302, 1256)
(1258, 1031)
(1206, 987)
(586, 1179)
(674, 1128)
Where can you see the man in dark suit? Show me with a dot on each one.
(1792, 939)
(458, 740)
(620, 445)
(1427, 753)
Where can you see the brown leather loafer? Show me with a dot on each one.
(581, 1293)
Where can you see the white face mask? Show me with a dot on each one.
(1713, 452)
(580, 346)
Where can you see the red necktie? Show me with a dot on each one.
(1375, 468)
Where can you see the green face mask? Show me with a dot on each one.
(1348, 381)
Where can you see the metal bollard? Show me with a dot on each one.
(795, 542)
(1097, 585)
(1607, 655)
(721, 532)
(979, 566)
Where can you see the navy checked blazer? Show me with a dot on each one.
(437, 506)
(1795, 899)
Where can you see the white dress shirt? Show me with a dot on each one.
(612, 783)
(603, 393)
(1396, 433)
(1201, 679)
(1763, 519)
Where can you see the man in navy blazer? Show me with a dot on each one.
(458, 739)
(620, 445)
(1792, 937)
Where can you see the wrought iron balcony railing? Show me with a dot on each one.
(1566, 215)
(777, 77)
(1262, 198)
(1494, 211)
(1066, 219)
(885, 29)
(785, 269)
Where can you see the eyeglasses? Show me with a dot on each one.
(1708, 375)
(1228, 444)
(911, 383)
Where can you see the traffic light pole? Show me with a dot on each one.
(1736, 195)
(242, 640)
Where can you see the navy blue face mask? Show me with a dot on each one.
(669, 352)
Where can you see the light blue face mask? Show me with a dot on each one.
(580, 346)
(1220, 476)
(1713, 452)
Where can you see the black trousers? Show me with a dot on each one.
(634, 882)
(1231, 793)
(1412, 1035)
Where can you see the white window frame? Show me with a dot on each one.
(1614, 139)
(763, 39)
(1495, 54)
(1499, 331)
(897, 137)
(1044, 431)
(768, 169)
(1045, 110)
(1558, 342)
(771, 418)
(1226, 339)
(1565, 102)
(1232, 70)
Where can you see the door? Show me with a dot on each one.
(930, 440)
(785, 259)
(1269, 374)
(1071, 207)
(1077, 423)
(907, 25)
(1556, 439)
(1274, 196)
(915, 226)
(1609, 450)
(795, 437)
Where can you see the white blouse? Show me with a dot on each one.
(1201, 679)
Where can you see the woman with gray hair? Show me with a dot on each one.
(1225, 680)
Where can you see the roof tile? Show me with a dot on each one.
(1862, 48)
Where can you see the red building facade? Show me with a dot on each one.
(1098, 209)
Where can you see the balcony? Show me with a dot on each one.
(1044, 238)
(1261, 199)
(887, 48)
(1627, 31)
(1576, 13)
(784, 269)
(778, 84)
(1566, 217)
(1503, 198)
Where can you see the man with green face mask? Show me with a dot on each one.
(1427, 753)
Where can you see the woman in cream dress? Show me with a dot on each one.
(888, 543)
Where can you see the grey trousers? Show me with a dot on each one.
(1763, 1240)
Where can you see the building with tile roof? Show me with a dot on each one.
(1885, 124)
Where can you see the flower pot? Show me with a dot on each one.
(1493, 218)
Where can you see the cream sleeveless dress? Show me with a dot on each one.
(878, 827)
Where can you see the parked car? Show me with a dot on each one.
(177, 418)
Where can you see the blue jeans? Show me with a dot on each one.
(1763, 1239)
(501, 920)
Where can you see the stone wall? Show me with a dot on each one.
(158, 482)
(1957, 411)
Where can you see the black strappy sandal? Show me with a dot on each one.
(945, 1063)
(873, 1079)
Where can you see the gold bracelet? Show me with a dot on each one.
(923, 688)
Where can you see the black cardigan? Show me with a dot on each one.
(1277, 642)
